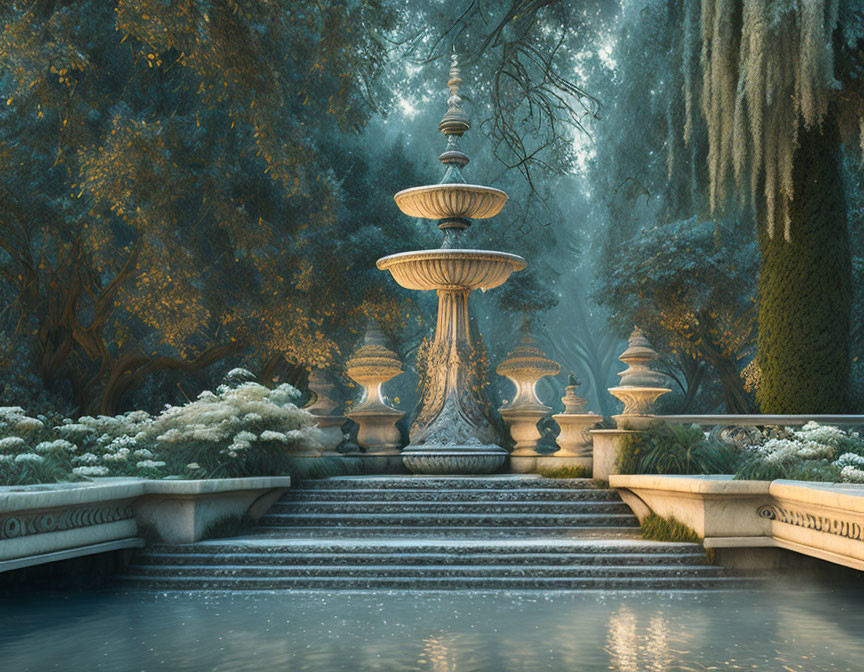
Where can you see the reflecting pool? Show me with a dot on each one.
(790, 629)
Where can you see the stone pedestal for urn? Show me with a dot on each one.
(323, 407)
(640, 386)
(574, 441)
(524, 367)
(372, 365)
(452, 433)
(607, 445)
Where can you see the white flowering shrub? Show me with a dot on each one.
(27, 451)
(813, 452)
(243, 429)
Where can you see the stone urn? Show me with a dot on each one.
(524, 366)
(372, 365)
(323, 407)
(640, 385)
(574, 440)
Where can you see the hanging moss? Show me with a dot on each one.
(805, 289)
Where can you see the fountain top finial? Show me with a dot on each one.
(455, 121)
(453, 124)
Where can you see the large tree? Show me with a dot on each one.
(735, 110)
(170, 195)
(780, 87)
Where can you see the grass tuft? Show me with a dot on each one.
(657, 528)
(571, 471)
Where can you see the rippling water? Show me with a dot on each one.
(791, 630)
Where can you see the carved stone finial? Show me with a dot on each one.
(640, 385)
(638, 357)
(455, 121)
(372, 365)
(453, 125)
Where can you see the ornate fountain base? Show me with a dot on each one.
(453, 443)
(454, 459)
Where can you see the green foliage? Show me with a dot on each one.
(757, 469)
(805, 290)
(657, 528)
(174, 175)
(572, 471)
(689, 288)
(676, 449)
(323, 467)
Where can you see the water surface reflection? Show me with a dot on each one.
(793, 630)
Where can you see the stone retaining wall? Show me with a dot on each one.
(822, 520)
(46, 523)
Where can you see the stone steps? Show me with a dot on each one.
(447, 507)
(589, 544)
(278, 559)
(450, 495)
(428, 570)
(436, 533)
(468, 520)
(438, 483)
(449, 532)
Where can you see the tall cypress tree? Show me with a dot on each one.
(805, 288)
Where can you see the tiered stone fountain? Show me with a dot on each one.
(451, 433)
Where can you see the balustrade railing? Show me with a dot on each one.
(757, 420)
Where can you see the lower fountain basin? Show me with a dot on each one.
(451, 269)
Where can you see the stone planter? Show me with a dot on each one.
(752, 524)
(713, 506)
(179, 512)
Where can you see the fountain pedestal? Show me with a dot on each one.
(451, 433)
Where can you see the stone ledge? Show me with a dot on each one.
(720, 484)
(57, 495)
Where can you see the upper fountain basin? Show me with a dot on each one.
(451, 269)
(449, 201)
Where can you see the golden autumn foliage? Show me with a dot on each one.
(167, 196)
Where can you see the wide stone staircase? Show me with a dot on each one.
(436, 533)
